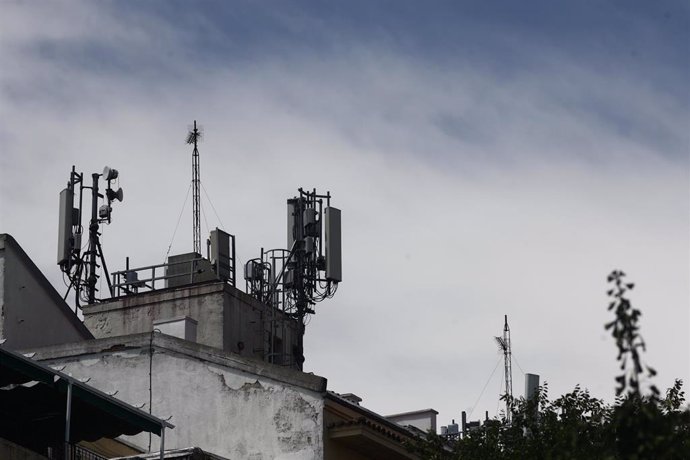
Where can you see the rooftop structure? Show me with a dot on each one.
(179, 352)
(180, 340)
(28, 302)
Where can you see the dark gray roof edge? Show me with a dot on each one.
(333, 396)
(50, 289)
(88, 388)
(110, 303)
(214, 355)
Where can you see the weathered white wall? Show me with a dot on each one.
(226, 318)
(135, 314)
(223, 410)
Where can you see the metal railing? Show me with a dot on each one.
(129, 281)
(72, 452)
(133, 280)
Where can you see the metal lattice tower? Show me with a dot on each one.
(504, 345)
(194, 137)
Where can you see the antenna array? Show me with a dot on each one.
(289, 282)
(293, 280)
(81, 268)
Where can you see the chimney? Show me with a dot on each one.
(531, 385)
(353, 398)
(182, 327)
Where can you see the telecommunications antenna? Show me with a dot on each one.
(505, 347)
(193, 138)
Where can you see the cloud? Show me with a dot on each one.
(470, 187)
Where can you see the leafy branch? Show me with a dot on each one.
(625, 330)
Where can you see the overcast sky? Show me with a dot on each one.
(489, 158)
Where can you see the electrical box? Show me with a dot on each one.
(309, 245)
(132, 279)
(309, 216)
(253, 271)
(333, 246)
(65, 241)
(104, 211)
(190, 268)
(311, 227)
(220, 253)
(289, 278)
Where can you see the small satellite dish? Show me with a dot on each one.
(110, 173)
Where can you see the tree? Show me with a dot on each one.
(639, 425)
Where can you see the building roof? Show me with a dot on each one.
(33, 401)
(358, 429)
(186, 348)
(7, 241)
(389, 428)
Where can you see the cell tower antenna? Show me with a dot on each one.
(505, 347)
(81, 268)
(194, 137)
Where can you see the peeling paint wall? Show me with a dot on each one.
(226, 318)
(135, 314)
(226, 411)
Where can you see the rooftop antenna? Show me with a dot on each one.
(504, 346)
(81, 268)
(194, 137)
(292, 280)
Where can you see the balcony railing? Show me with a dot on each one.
(72, 452)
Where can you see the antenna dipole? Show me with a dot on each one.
(504, 345)
(507, 357)
(194, 137)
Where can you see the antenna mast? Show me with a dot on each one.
(81, 268)
(194, 137)
(504, 345)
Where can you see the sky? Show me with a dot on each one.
(489, 158)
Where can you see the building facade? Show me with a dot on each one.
(195, 355)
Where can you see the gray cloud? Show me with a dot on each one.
(467, 193)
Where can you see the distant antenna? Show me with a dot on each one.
(194, 137)
(504, 346)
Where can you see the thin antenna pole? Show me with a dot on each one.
(507, 352)
(194, 137)
(93, 241)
